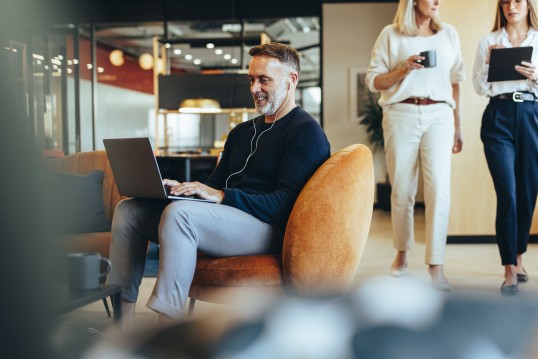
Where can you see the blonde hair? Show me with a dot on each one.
(532, 18)
(406, 19)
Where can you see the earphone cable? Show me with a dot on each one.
(256, 146)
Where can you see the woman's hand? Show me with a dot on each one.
(411, 63)
(458, 141)
(389, 79)
(528, 70)
(194, 189)
(496, 46)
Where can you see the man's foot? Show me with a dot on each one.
(127, 314)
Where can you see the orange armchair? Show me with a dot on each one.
(323, 244)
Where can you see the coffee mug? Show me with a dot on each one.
(430, 58)
(84, 270)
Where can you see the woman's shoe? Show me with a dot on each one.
(522, 277)
(442, 286)
(509, 289)
(398, 271)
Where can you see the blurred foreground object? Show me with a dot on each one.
(386, 318)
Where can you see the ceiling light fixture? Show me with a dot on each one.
(210, 45)
(146, 61)
(199, 105)
(116, 57)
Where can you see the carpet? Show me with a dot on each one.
(152, 261)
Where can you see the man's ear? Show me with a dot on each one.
(294, 77)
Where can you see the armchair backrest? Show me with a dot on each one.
(329, 224)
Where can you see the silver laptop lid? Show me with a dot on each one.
(135, 167)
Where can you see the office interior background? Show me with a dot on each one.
(72, 112)
(72, 108)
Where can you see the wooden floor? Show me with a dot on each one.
(469, 268)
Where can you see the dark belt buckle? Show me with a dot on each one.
(517, 97)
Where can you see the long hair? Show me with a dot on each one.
(406, 19)
(532, 18)
(284, 53)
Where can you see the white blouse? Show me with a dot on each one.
(480, 70)
(392, 49)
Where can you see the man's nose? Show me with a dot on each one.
(255, 86)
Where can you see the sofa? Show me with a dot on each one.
(77, 167)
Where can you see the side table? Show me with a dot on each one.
(66, 300)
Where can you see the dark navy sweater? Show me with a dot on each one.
(286, 157)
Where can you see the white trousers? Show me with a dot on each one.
(422, 133)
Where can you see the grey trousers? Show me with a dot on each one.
(181, 228)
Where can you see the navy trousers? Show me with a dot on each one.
(510, 136)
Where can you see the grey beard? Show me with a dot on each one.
(272, 107)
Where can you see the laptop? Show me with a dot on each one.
(503, 60)
(136, 171)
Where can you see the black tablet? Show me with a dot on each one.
(503, 60)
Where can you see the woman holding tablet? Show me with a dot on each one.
(509, 133)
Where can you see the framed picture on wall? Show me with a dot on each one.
(358, 93)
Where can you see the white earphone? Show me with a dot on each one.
(254, 136)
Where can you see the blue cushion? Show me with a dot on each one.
(80, 207)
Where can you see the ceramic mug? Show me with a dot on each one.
(430, 58)
(84, 270)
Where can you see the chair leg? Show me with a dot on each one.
(192, 301)
(105, 302)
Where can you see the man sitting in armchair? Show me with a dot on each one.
(264, 165)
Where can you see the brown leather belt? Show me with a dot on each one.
(420, 101)
(517, 97)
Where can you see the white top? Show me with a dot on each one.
(480, 70)
(392, 48)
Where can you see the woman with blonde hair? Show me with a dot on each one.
(421, 122)
(509, 133)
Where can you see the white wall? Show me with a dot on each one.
(120, 113)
